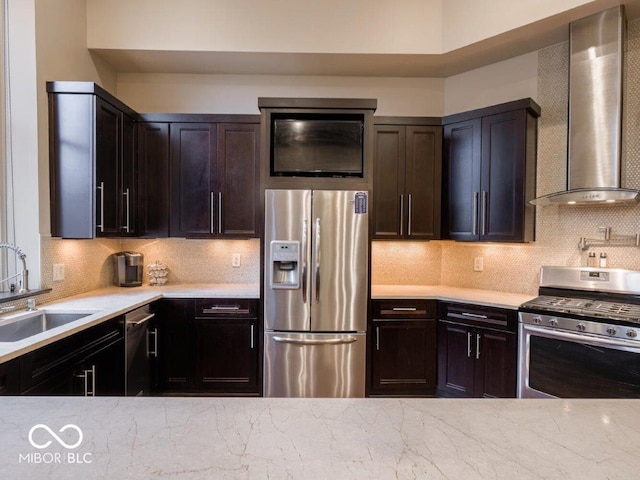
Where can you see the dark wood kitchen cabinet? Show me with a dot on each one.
(407, 181)
(227, 346)
(490, 172)
(153, 179)
(89, 363)
(93, 172)
(403, 348)
(477, 351)
(214, 180)
(10, 377)
(208, 346)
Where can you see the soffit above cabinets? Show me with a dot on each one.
(516, 42)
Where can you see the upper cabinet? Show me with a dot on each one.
(214, 179)
(407, 179)
(490, 172)
(92, 162)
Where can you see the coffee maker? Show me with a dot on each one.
(127, 269)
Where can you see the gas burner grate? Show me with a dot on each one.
(588, 308)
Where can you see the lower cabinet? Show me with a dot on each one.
(477, 351)
(403, 348)
(208, 346)
(10, 377)
(89, 363)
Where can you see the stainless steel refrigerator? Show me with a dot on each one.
(315, 293)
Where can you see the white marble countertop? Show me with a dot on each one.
(259, 438)
(110, 302)
(490, 298)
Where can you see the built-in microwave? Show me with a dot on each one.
(317, 144)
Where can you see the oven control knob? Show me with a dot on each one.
(581, 326)
(553, 322)
(537, 320)
(632, 333)
(611, 330)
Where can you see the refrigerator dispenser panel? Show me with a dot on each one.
(285, 261)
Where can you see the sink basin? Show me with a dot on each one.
(34, 323)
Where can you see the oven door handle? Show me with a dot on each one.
(582, 338)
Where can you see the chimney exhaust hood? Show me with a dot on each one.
(594, 166)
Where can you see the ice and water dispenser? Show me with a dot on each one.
(285, 264)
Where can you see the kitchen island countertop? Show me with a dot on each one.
(236, 438)
(491, 298)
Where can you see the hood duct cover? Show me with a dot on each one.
(594, 169)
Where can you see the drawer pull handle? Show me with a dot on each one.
(404, 309)
(474, 315)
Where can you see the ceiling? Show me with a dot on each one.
(528, 38)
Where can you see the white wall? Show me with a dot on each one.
(497, 83)
(327, 26)
(178, 93)
(23, 137)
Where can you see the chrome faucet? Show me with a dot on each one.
(24, 273)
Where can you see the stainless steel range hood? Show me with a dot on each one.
(594, 169)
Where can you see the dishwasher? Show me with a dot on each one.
(137, 351)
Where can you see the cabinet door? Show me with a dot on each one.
(503, 172)
(153, 179)
(456, 364)
(227, 355)
(404, 357)
(388, 181)
(10, 377)
(496, 374)
(193, 180)
(106, 370)
(176, 340)
(423, 178)
(108, 149)
(462, 151)
(238, 166)
(128, 221)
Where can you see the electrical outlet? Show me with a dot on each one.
(235, 260)
(58, 272)
(478, 264)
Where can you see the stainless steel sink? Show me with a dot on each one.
(27, 325)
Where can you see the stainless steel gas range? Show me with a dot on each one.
(580, 338)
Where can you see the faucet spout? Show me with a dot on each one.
(25, 273)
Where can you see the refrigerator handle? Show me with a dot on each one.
(303, 254)
(302, 341)
(317, 273)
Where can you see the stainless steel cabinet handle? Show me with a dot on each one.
(485, 202)
(468, 344)
(303, 254)
(409, 215)
(219, 212)
(377, 338)
(211, 200)
(474, 220)
(252, 342)
(127, 209)
(474, 315)
(141, 321)
(154, 352)
(85, 376)
(401, 215)
(301, 341)
(317, 275)
(101, 224)
(477, 346)
(404, 309)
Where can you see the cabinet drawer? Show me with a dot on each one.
(403, 309)
(226, 308)
(478, 315)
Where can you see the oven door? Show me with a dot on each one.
(562, 364)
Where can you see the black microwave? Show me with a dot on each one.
(317, 145)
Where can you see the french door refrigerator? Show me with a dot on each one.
(315, 293)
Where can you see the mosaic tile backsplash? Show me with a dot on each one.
(509, 268)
